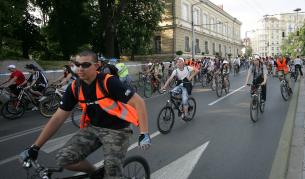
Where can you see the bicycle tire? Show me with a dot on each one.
(254, 109)
(213, 84)
(12, 113)
(227, 89)
(133, 162)
(74, 121)
(147, 89)
(218, 87)
(192, 108)
(48, 106)
(170, 120)
(284, 92)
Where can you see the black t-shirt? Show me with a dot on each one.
(99, 117)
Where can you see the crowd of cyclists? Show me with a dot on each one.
(113, 98)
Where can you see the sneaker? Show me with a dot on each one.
(34, 108)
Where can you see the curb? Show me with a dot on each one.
(281, 158)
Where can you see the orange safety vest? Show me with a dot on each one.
(121, 110)
(282, 66)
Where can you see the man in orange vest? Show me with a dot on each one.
(282, 69)
(108, 109)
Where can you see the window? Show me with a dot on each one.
(205, 20)
(213, 24)
(225, 47)
(219, 27)
(213, 46)
(272, 48)
(224, 29)
(158, 44)
(206, 47)
(196, 16)
(219, 49)
(187, 44)
(185, 11)
(197, 47)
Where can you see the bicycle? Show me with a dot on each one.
(151, 85)
(167, 115)
(51, 102)
(220, 84)
(256, 104)
(134, 167)
(16, 106)
(285, 89)
(209, 80)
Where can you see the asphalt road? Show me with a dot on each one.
(220, 143)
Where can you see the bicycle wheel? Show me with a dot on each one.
(160, 85)
(49, 105)
(166, 119)
(141, 80)
(227, 89)
(74, 117)
(191, 109)
(254, 109)
(136, 167)
(147, 89)
(13, 109)
(204, 81)
(284, 92)
(262, 107)
(213, 84)
(218, 87)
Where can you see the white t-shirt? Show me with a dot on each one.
(186, 72)
(297, 61)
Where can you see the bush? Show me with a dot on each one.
(179, 52)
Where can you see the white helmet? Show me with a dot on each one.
(225, 62)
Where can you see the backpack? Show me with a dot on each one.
(188, 85)
(112, 68)
(100, 79)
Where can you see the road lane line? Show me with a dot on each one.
(8, 159)
(182, 167)
(216, 101)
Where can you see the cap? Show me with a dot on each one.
(30, 66)
(180, 58)
(11, 67)
(225, 62)
(101, 58)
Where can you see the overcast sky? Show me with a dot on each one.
(250, 11)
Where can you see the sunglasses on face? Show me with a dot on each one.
(83, 65)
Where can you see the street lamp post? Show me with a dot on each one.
(297, 23)
(193, 29)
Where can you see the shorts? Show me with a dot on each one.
(113, 142)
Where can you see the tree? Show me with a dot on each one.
(294, 44)
(248, 51)
(139, 22)
(69, 26)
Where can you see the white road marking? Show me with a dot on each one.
(8, 159)
(216, 101)
(182, 167)
(56, 143)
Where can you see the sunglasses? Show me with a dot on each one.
(83, 65)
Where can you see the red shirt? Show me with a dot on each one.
(20, 77)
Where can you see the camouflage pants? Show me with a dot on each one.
(113, 142)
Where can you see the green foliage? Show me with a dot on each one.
(249, 51)
(294, 45)
(137, 26)
(179, 52)
(66, 27)
(202, 53)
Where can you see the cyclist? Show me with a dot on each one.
(298, 65)
(183, 73)
(16, 79)
(283, 70)
(236, 62)
(37, 82)
(103, 65)
(65, 79)
(123, 72)
(259, 74)
(225, 71)
(105, 120)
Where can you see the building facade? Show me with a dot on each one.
(272, 30)
(215, 30)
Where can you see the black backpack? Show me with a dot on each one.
(112, 68)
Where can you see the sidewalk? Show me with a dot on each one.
(289, 160)
(296, 162)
